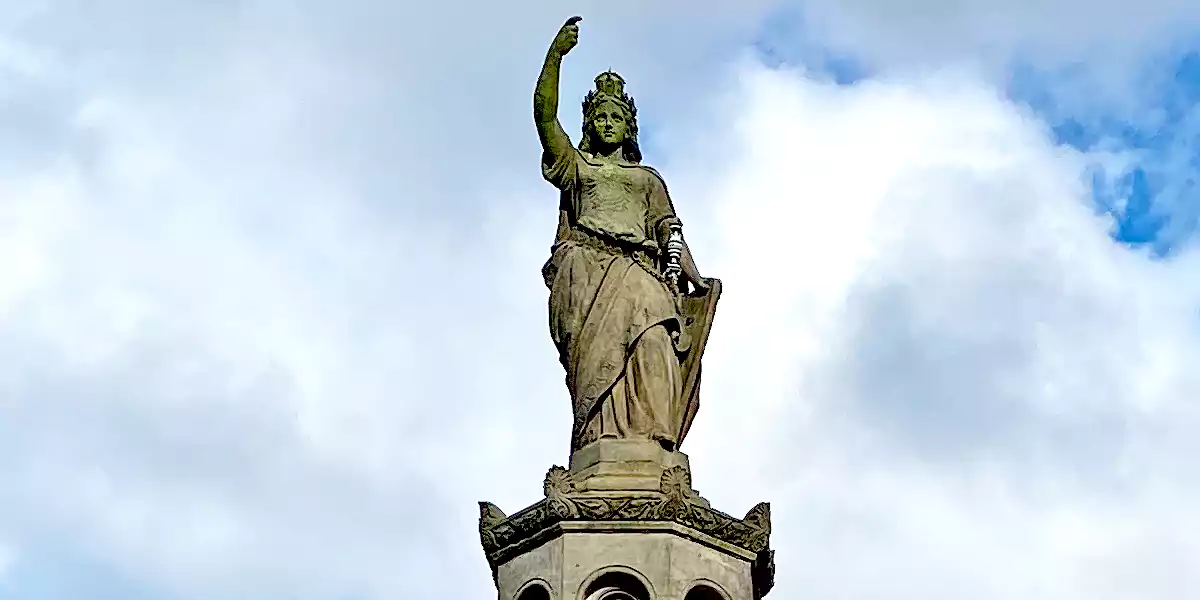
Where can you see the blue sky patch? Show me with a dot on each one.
(782, 42)
(53, 571)
(1153, 198)
(1152, 195)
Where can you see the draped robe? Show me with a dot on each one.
(614, 320)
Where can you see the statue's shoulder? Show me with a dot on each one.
(655, 173)
(652, 170)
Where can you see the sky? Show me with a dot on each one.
(272, 322)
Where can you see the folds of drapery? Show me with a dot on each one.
(601, 305)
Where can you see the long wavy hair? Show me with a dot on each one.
(630, 150)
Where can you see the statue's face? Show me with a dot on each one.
(610, 123)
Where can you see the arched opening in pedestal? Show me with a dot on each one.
(705, 591)
(534, 590)
(616, 585)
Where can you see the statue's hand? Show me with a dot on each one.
(567, 37)
(674, 277)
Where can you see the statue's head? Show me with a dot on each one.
(610, 119)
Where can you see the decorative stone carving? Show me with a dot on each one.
(762, 572)
(557, 485)
(489, 515)
(675, 502)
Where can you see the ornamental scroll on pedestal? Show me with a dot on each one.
(630, 316)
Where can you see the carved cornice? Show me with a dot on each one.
(503, 536)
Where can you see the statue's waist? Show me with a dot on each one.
(601, 240)
(613, 223)
(644, 254)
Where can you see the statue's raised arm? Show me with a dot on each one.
(629, 311)
(555, 143)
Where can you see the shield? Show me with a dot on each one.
(697, 312)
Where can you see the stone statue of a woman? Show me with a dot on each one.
(629, 313)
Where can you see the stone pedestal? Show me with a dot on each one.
(625, 524)
(625, 466)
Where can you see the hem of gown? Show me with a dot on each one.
(577, 440)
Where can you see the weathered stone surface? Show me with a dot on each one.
(665, 557)
(630, 313)
(635, 517)
(624, 465)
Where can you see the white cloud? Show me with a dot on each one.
(259, 342)
(951, 379)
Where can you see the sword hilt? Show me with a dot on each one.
(674, 270)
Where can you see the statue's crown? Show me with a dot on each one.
(609, 86)
(609, 83)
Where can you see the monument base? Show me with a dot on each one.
(603, 532)
(625, 466)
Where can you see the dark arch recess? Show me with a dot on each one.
(536, 590)
(704, 592)
(617, 585)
